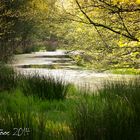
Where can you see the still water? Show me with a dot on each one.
(58, 64)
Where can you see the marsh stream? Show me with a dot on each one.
(58, 64)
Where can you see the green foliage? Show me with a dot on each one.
(113, 41)
(126, 71)
(101, 46)
(19, 21)
(14, 30)
(28, 49)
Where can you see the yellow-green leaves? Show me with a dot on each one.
(129, 2)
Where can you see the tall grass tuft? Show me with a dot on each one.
(35, 119)
(8, 78)
(29, 126)
(44, 87)
(25, 126)
(112, 114)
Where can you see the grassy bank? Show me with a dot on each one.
(44, 87)
(130, 71)
(38, 106)
(43, 119)
(33, 103)
(111, 114)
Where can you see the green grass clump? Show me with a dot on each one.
(44, 87)
(45, 120)
(111, 114)
(33, 126)
(8, 78)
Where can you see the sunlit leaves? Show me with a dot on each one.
(129, 2)
(38, 4)
(138, 1)
(99, 44)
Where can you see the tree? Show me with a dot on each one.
(18, 22)
(100, 28)
(115, 16)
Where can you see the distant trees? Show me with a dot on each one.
(106, 31)
(8, 20)
(17, 23)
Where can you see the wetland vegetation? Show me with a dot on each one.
(69, 70)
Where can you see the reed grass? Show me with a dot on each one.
(8, 78)
(45, 120)
(111, 114)
(41, 86)
(44, 87)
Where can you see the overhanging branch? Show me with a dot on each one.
(133, 38)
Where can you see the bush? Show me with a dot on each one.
(50, 48)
